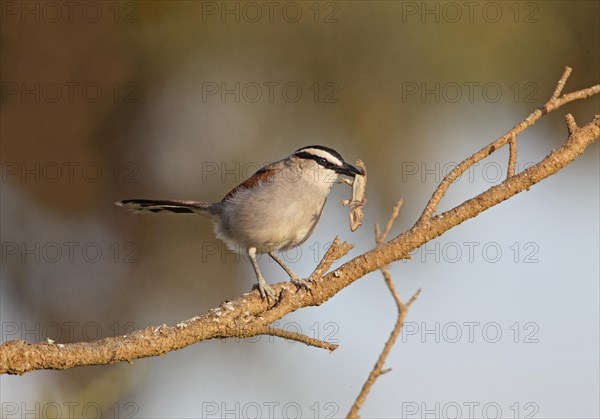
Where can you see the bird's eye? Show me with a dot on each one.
(322, 161)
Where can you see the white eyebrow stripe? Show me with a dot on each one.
(322, 153)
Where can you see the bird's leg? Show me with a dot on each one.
(296, 280)
(263, 287)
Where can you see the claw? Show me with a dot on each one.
(300, 283)
(265, 290)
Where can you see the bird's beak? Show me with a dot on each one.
(349, 170)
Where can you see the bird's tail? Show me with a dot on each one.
(176, 207)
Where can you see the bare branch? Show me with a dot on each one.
(286, 334)
(380, 238)
(378, 367)
(335, 252)
(251, 311)
(561, 83)
(402, 312)
(512, 157)
(571, 124)
(413, 298)
(552, 104)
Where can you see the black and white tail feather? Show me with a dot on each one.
(140, 206)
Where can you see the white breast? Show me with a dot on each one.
(275, 215)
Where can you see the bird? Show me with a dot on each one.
(275, 209)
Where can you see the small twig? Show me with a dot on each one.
(387, 276)
(413, 298)
(380, 237)
(378, 367)
(402, 312)
(298, 337)
(570, 97)
(512, 157)
(561, 83)
(571, 124)
(552, 104)
(336, 251)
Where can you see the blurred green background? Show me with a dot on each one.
(106, 100)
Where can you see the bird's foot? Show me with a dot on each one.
(300, 283)
(265, 290)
